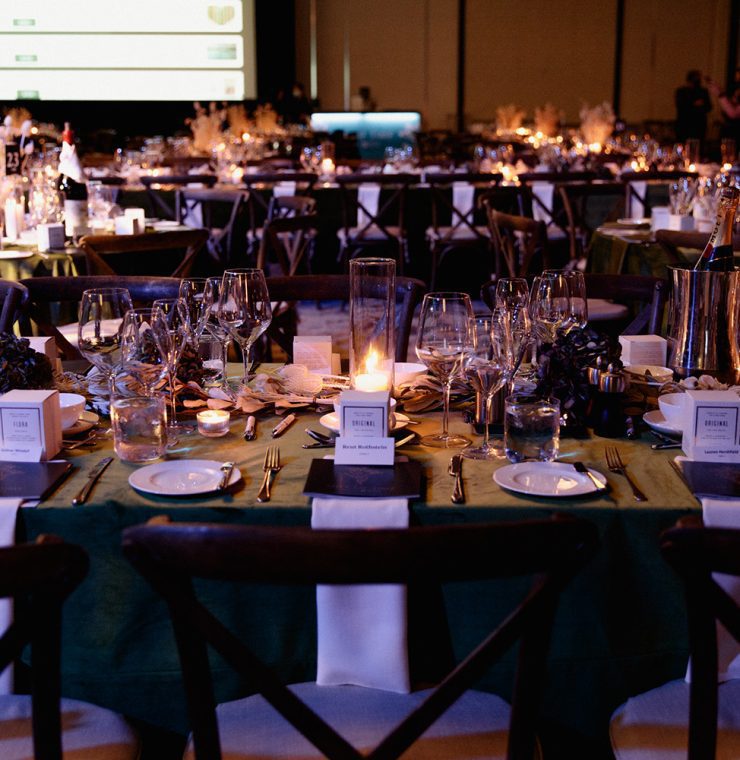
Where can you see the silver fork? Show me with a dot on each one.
(615, 464)
(271, 466)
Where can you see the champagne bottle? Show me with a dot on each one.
(718, 255)
(72, 186)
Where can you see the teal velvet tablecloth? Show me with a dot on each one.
(620, 626)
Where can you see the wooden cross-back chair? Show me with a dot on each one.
(517, 242)
(662, 177)
(160, 254)
(171, 556)
(384, 227)
(154, 185)
(672, 241)
(286, 291)
(13, 298)
(39, 577)
(699, 720)
(288, 242)
(45, 291)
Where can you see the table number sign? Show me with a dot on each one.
(363, 429)
(713, 432)
(30, 426)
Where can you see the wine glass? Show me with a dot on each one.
(444, 338)
(211, 297)
(140, 353)
(549, 304)
(485, 368)
(512, 293)
(172, 331)
(99, 328)
(192, 291)
(577, 293)
(244, 309)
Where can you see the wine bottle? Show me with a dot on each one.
(72, 185)
(718, 255)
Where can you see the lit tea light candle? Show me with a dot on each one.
(372, 379)
(327, 166)
(213, 423)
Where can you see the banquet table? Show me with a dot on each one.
(619, 629)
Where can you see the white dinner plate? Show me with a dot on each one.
(165, 224)
(331, 421)
(546, 479)
(630, 222)
(84, 422)
(657, 421)
(181, 477)
(8, 255)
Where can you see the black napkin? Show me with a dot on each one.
(326, 479)
(31, 480)
(712, 478)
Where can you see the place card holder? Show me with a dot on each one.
(644, 349)
(30, 426)
(712, 433)
(364, 429)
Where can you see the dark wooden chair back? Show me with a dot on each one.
(13, 298)
(158, 202)
(170, 556)
(261, 183)
(673, 240)
(587, 206)
(517, 242)
(225, 213)
(696, 552)
(509, 199)
(160, 254)
(39, 577)
(45, 291)
(335, 287)
(282, 206)
(287, 241)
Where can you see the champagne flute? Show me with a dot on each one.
(140, 353)
(99, 328)
(244, 309)
(485, 371)
(192, 291)
(443, 340)
(578, 301)
(172, 331)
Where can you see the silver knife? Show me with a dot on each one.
(227, 468)
(92, 477)
(580, 467)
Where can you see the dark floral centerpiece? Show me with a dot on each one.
(561, 373)
(21, 367)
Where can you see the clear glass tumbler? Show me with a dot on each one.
(531, 428)
(139, 428)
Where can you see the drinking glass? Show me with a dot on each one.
(213, 326)
(140, 353)
(531, 428)
(485, 371)
(139, 428)
(244, 309)
(549, 305)
(99, 328)
(192, 291)
(443, 340)
(512, 293)
(172, 331)
(577, 294)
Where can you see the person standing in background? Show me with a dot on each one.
(692, 106)
(729, 102)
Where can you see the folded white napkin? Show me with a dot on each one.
(283, 189)
(636, 208)
(362, 630)
(8, 513)
(544, 193)
(368, 195)
(463, 197)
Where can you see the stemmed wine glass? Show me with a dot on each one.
(211, 297)
(549, 304)
(485, 367)
(172, 331)
(444, 338)
(512, 293)
(140, 353)
(193, 291)
(99, 328)
(244, 309)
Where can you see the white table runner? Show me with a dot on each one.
(362, 629)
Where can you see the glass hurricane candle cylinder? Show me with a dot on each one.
(372, 301)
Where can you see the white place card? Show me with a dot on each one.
(127, 225)
(713, 430)
(353, 450)
(49, 236)
(313, 352)
(644, 349)
(46, 346)
(139, 214)
(30, 425)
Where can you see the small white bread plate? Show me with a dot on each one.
(84, 422)
(8, 255)
(181, 477)
(657, 421)
(331, 421)
(546, 479)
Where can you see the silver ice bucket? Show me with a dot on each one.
(704, 322)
